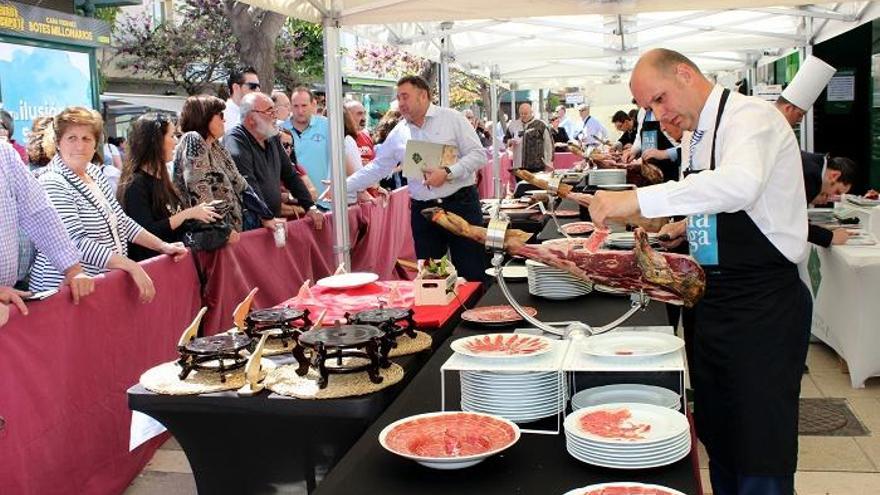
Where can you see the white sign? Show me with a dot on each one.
(574, 98)
(842, 87)
(769, 92)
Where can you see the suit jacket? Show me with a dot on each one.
(813, 164)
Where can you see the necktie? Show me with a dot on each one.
(695, 140)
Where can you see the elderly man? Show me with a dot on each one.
(364, 141)
(530, 140)
(747, 227)
(262, 161)
(24, 206)
(241, 82)
(451, 187)
(282, 109)
(310, 136)
(592, 132)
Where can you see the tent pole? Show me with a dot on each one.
(445, 57)
(333, 85)
(807, 126)
(493, 102)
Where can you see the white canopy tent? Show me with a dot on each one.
(562, 43)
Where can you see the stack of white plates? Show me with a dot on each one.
(626, 392)
(519, 397)
(553, 283)
(606, 176)
(633, 436)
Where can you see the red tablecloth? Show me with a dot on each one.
(64, 369)
(563, 160)
(486, 184)
(395, 294)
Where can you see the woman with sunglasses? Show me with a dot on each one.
(287, 143)
(145, 189)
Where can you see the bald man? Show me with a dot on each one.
(530, 140)
(747, 227)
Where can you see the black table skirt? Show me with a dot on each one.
(537, 464)
(270, 443)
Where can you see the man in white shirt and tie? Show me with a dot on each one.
(451, 188)
(747, 227)
(592, 133)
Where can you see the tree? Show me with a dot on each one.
(195, 52)
(390, 61)
(257, 31)
(299, 50)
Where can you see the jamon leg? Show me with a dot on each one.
(667, 277)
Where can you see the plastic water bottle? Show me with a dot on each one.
(280, 235)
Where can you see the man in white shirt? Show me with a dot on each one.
(747, 227)
(451, 188)
(530, 140)
(592, 131)
(240, 83)
(572, 126)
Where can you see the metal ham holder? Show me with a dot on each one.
(495, 235)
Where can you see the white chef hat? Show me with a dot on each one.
(808, 83)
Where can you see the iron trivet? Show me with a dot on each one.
(338, 342)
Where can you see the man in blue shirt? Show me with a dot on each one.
(310, 136)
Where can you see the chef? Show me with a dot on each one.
(747, 227)
(794, 102)
(655, 146)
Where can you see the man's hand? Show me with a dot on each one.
(839, 237)
(4, 314)
(435, 177)
(81, 285)
(655, 154)
(174, 249)
(675, 231)
(317, 218)
(628, 155)
(609, 205)
(8, 295)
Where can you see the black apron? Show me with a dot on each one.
(654, 138)
(749, 344)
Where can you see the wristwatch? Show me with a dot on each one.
(448, 172)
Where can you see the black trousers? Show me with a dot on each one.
(432, 241)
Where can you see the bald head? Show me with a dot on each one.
(525, 112)
(672, 86)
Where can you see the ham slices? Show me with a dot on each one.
(614, 425)
(450, 435)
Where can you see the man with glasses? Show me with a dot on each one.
(260, 157)
(240, 83)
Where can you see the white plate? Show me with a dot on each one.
(517, 418)
(618, 454)
(348, 280)
(634, 344)
(620, 484)
(521, 342)
(536, 191)
(665, 424)
(510, 272)
(629, 464)
(626, 392)
(447, 462)
(616, 187)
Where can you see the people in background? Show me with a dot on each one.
(364, 142)
(24, 207)
(592, 131)
(40, 144)
(560, 136)
(240, 82)
(93, 218)
(145, 189)
(286, 137)
(310, 136)
(7, 129)
(282, 109)
(826, 178)
(112, 166)
(203, 170)
(626, 126)
(798, 97)
(572, 126)
(483, 135)
(386, 124)
(530, 140)
(260, 158)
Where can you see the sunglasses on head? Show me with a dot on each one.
(252, 85)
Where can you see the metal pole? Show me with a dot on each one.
(802, 55)
(541, 103)
(496, 160)
(445, 57)
(807, 125)
(333, 85)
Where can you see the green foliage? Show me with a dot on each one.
(299, 54)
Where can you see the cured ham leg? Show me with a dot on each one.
(667, 277)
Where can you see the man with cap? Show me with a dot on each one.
(592, 132)
(794, 102)
(747, 227)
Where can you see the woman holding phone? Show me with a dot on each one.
(145, 189)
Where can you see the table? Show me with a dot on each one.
(845, 283)
(537, 464)
(268, 442)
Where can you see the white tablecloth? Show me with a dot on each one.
(845, 282)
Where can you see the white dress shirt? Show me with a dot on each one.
(757, 170)
(592, 127)
(442, 126)
(231, 116)
(637, 144)
(572, 127)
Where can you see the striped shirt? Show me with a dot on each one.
(23, 205)
(89, 225)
